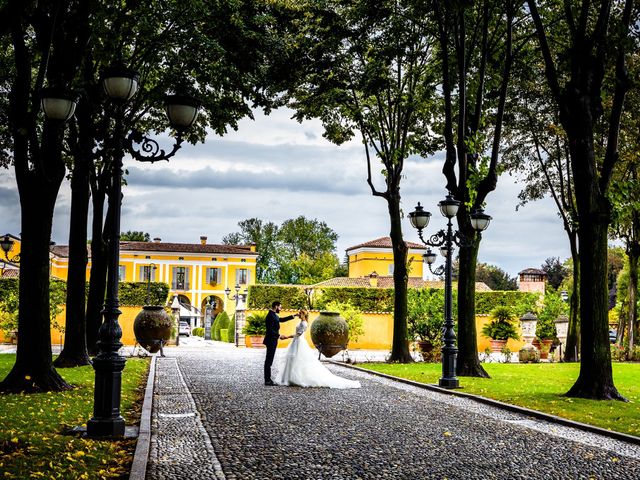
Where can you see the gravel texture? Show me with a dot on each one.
(214, 418)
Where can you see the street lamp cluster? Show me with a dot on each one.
(7, 245)
(237, 298)
(119, 85)
(445, 241)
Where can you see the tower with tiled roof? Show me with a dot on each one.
(377, 256)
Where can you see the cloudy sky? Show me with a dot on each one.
(274, 169)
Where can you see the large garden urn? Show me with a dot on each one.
(330, 333)
(151, 326)
(562, 330)
(528, 324)
(528, 353)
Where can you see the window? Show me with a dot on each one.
(147, 273)
(242, 276)
(122, 273)
(214, 275)
(391, 269)
(180, 278)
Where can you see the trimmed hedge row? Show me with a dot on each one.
(364, 299)
(369, 299)
(131, 294)
(291, 296)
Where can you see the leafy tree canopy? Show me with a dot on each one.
(300, 251)
(135, 236)
(555, 270)
(494, 277)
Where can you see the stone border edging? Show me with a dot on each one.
(505, 406)
(141, 455)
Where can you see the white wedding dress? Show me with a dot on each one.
(303, 369)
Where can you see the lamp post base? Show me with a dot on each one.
(107, 421)
(106, 428)
(449, 383)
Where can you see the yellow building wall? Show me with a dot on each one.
(363, 263)
(378, 331)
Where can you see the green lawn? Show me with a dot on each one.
(31, 427)
(541, 387)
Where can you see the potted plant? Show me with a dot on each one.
(500, 328)
(546, 328)
(425, 319)
(255, 328)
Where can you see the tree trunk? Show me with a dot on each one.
(572, 348)
(98, 274)
(33, 370)
(468, 362)
(596, 377)
(633, 252)
(400, 348)
(75, 353)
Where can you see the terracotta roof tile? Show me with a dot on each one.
(532, 271)
(384, 242)
(208, 248)
(10, 273)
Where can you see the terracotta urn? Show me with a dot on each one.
(152, 325)
(496, 345)
(330, 333)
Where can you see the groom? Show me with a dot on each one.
(271, 338)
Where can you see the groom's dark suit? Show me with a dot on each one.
(271, 340)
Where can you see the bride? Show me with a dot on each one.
(302, 367)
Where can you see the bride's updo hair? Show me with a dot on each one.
(303, 314)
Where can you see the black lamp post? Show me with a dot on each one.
(238, 296)
(308, 291)
(121, 85)
(446, 240)
(7, 245)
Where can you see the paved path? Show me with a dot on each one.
(213, 418)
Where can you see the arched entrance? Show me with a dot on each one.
(210, 307)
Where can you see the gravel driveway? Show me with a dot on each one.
(214, 418)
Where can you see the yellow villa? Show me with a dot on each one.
(376, 256)
(198, 273)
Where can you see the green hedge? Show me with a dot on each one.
(221, 321)
(375, 299)
(8, 286)
(516, 300)
(133, 294)
(232, 329)
(198, 332)
(292, 297)
(364, 299)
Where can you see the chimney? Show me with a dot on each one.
(157, 240)
(252, 246)
(373, 279)
(203, 239)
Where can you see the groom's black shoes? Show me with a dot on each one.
(269, 383)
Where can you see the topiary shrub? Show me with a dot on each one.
(221, 321)
(232, 329)
(198, 332)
